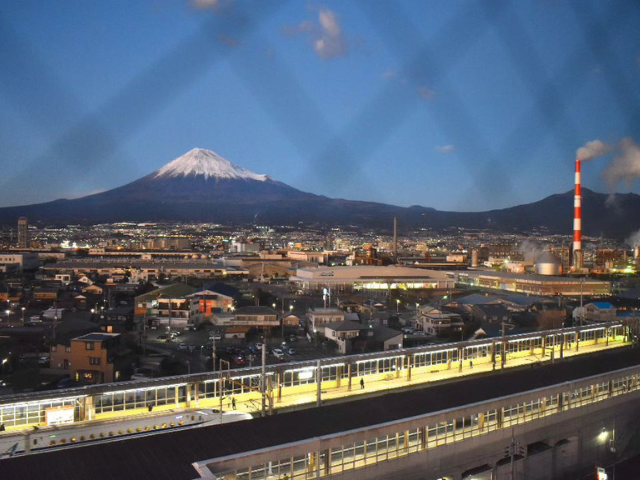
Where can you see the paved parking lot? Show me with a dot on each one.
(197, 347)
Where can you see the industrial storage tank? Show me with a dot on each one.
(474, 258)
(548, 264)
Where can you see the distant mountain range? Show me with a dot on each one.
(201, 186)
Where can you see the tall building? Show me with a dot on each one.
(23, 232)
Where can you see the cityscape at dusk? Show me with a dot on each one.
(279, 240)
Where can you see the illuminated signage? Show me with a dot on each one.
(59, 415)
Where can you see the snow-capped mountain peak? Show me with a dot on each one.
(205, 162)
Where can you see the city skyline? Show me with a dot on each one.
(467, 107)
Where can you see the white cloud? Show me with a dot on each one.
(327, 37)
(445, 148)
(331, 42)
(205, 4)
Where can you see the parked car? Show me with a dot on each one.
(239, 361)
(183, 347)
(291, 351)
(277, 352)
(43, 361)
(293, 338)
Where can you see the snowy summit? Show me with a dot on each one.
(205, 162)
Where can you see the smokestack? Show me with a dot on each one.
(577, 222)
(395, 239)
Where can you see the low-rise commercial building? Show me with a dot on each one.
(365, 277)
(531, 283)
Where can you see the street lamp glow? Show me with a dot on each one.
(603, 435)
(398, 305)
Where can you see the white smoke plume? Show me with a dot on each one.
(625, 166)
(634, 239)
(592, 149)
(530, 250)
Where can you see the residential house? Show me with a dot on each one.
(434, 321)
(92, 358)
(319, 317)
(491, 314)
(343, 332)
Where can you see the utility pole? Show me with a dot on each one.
(512, 450)
(263, 381)
(504, 346)
(55, 320)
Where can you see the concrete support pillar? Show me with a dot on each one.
(481, 421)
(409, 366)
(196, 394)
(606, 338)
(176, 396)
(423, 438)
(339, 371)
(327, 461)
(279, 387)
(399, 366)
(405, 444)
(544, 346)
(87, 409)
(312, 461)
(500, 417)
(460, 360)
(610, 387)
(318, 383)
(349, 376)
(577, 340)
(531, 344)
(492, 350)
(448, 359)
(188, 387)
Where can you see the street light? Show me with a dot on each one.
(4, 360)
(23, 309)
(397, 305)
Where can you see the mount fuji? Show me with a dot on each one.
(201, 186)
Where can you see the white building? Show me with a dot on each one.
(365, 277)
(21, 261)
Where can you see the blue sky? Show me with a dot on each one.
(456, 105)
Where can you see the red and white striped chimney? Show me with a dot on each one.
(577, 221)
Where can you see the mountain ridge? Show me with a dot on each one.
(192, 190)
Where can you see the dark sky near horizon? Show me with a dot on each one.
(456, 105)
